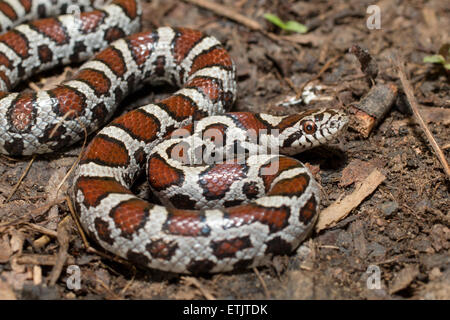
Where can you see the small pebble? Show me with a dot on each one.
(389, 208)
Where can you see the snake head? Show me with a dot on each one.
(311, 128)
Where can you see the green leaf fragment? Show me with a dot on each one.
(275, 20)
(296, 27)
(436, 58)
(288, 26)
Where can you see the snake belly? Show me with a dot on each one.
(218, 213)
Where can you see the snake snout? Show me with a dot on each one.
(339, 121)
(334, 124)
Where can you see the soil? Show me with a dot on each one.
(399, 232)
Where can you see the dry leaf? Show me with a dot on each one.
(5, 249)
(339, 209)
(404, 278)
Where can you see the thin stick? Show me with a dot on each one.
(297, 91)
(59, 124)
(42, 230)
(318, 75)
(263, 283)
(77, 222)
(86, 242)
(21, 178)
(124, 290)
(42, 259)
(193, 281)
(63, 236)
(45, 207)
(9, 158)
(414, 106)
(228, 13)
(77, 159)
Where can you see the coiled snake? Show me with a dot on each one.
(230, 200)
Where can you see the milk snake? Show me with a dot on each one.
(219, 212)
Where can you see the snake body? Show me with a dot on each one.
(229, 199)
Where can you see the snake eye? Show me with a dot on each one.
(309, 127)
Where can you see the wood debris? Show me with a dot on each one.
(339, 209)
(371, 109)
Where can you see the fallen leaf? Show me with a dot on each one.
(403, 278)
(5, 249)
(17, 240)
(356, 171)
(339, 209)
(6, 292)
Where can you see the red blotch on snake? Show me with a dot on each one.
(52, 28)
(217, 180)
(282, 164)
(95, 189)
(91, 20)
(96, 79)
(8, 11)
(101, 149)
(275, 218)
(70, 102)
(113, 59)
(21, 111)
(130, 215)
(16, 42)
(139, 124)
(308, 211)
(161, 175)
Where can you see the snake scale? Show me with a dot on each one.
(231, 197)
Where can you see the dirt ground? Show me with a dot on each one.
(399, 232)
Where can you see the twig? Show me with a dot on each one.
(77, 159)
(60, 122)
(21, 178)
(368, 65)
(193, 281)
(263, 283)
(398, 63)
(37, 275)
(45, 207)
(41, 242)
(34, 86)
(327, 246)
(42, 230)
(61, 258)
(86, 242)
(318, 75)
(228, 13)
(42, 259)
(9, 158)
(108, 289)
(239, 18)
(371, 109)
(77, 222)
(128, 285)
(297, 91)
